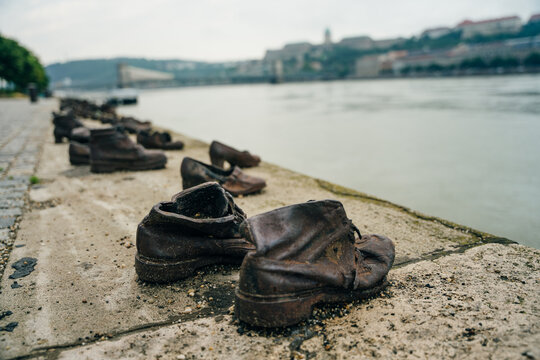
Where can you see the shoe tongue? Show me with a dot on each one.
(209, 198)
(299, 232)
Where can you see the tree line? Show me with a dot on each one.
(478, 63)
(19, 66)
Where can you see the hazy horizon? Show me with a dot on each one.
(215, 31)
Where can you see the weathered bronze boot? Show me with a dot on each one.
(111, 150)
(198, 227)
(79, 154)
(158, 140)
(194, 172)
(64, 123)
(307, 254)
(219, 153)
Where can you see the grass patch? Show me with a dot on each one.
(11, 94)
(34, 180)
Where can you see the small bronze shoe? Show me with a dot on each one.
(219, 153)
(194, 172)
(198, 227)
(79, 154)
(64, 123)
(111, 150)
(133, 125)
(307, 254)
(158, 140)
(81, 135)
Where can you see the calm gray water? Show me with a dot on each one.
(464, 149)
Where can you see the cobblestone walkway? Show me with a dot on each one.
(23, 127)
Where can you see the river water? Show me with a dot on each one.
(464, 149)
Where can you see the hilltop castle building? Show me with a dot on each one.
(504, 25)
(298, 50)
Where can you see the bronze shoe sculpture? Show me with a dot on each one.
(81, 135)
(79, 154)
(108, 119)
(158, 140)
(219, 153)
(198, 227)
(133, 125)
(111, 150)
(307, 254)
(195, 172)
(64, 123)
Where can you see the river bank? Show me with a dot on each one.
(455, 291)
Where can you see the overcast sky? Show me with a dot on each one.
(219, 30)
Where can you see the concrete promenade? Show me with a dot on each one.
(21, 137)
(455, 292)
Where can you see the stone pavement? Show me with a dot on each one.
(455, 292)
(22, 127)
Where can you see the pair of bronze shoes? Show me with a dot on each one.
(110, 149)
(234, 180)
(79, 151)
(292, 258)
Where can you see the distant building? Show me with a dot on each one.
(424, 59)
(357, 42)
(289, 51)
(375, 65)
(250, 68)
(367, 43)
(504, 25)
(315, 65)
(534, 18)
(367, 66)
(327, 37)
(435, 33)
(387, 43)
(272, 55)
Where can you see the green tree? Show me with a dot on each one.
(533, 59)
(434, 67)
(20, 66)
(504, 62)
(474, 63)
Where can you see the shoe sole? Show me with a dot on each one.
(156, 271)
(79, 160)
(289, 310)
(247, 192)
(111, 166)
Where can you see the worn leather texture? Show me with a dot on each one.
(197, 222)
(194, 172)
(108, 144)
(310, 246)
